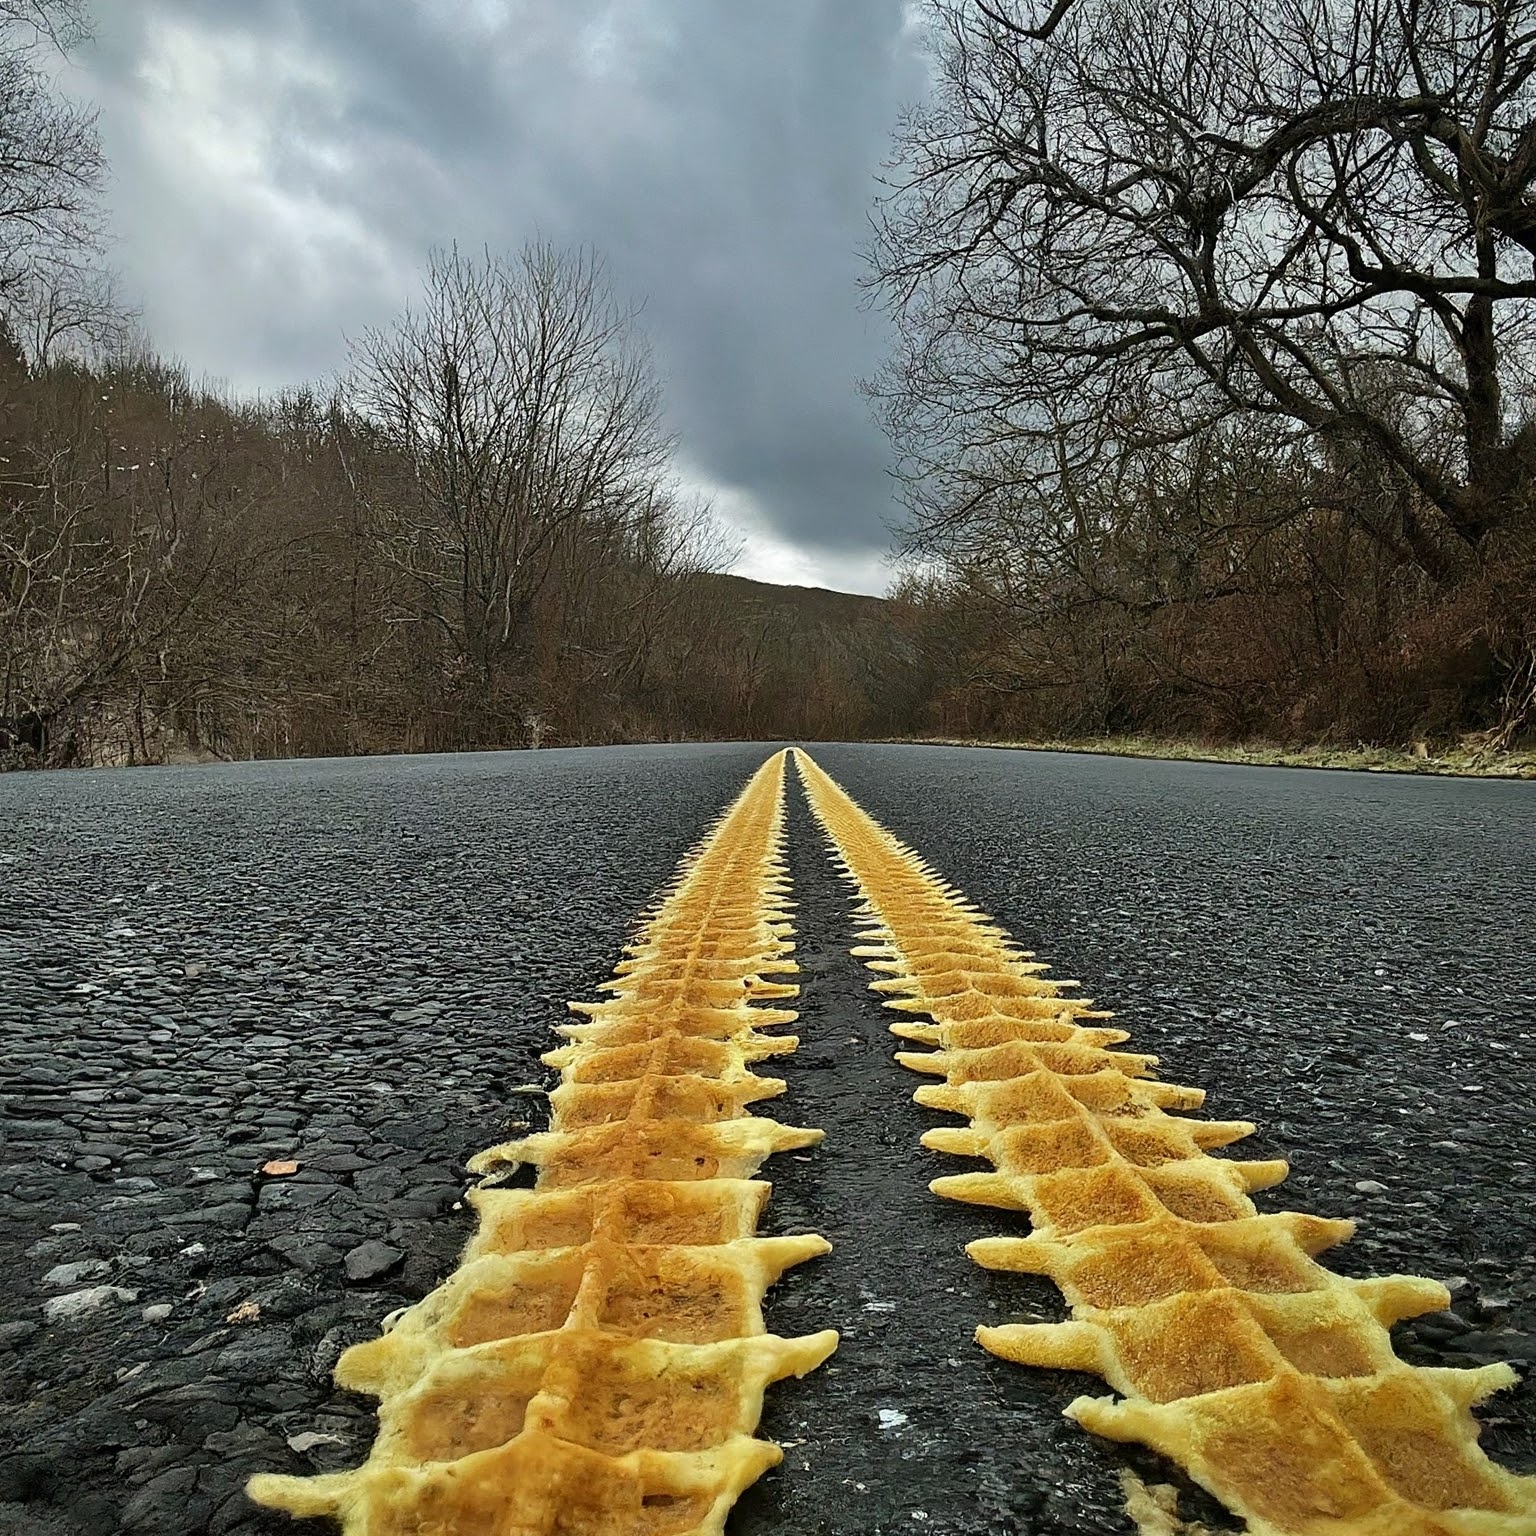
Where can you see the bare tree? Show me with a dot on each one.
(64, 23)
(1111, 229)
(51, 165)
(514, 413)
(66, 308)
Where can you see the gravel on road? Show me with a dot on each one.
(353, 966)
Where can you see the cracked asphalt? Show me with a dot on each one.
(355, 964)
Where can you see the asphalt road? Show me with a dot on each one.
(355, 963)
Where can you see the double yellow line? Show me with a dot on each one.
(596, 1366)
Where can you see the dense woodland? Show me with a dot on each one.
(1214, 386)
(1211, 407)
(187, 575)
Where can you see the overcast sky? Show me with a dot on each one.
(281, 168)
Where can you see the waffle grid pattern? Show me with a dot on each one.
(596, 1365)
(1270, 1379)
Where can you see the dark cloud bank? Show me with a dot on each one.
(282, 167)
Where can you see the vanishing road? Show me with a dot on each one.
(355, 965)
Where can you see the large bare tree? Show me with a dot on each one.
(513, 414)
(1113, 227)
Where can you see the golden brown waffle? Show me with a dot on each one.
(596, 1364)
(1271, 1380)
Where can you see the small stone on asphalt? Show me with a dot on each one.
(78, 1304)
(309, 1440)
(62, 1276)
(371, 1259)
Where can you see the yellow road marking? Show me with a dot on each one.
(596, 1364)
(1270, 1379)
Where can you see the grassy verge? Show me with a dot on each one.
(1460, 761)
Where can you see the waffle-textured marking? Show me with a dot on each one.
(1270, 1379)
(596, 1364)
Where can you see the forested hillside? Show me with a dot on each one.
(189, 575)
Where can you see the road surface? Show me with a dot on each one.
(353, 964)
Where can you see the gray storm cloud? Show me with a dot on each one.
(282, 167)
